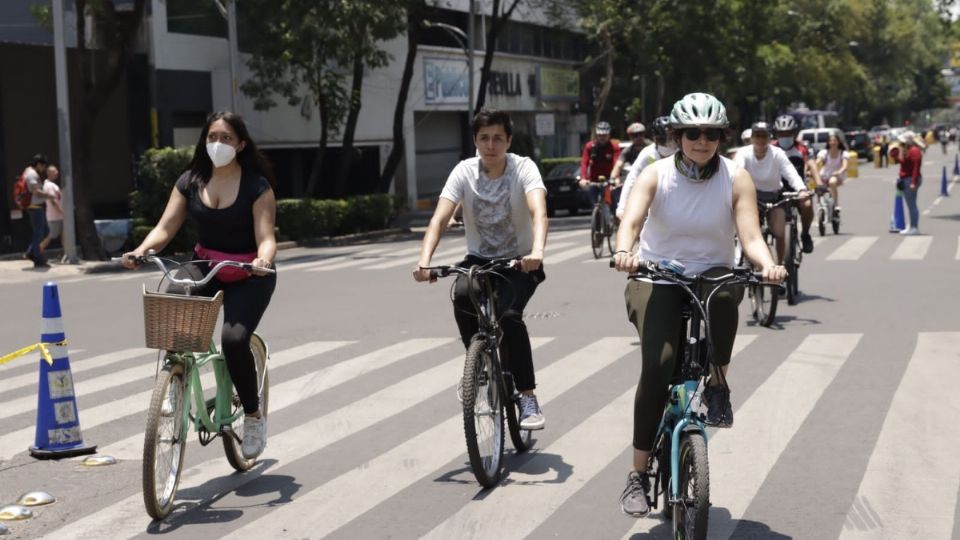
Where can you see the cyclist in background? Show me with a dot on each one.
(662, 147)
(599, 157)
(832, 162)
(636, 131)
(769, 167)
(504, 217)
(687, 209)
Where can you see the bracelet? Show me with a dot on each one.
(622, 251)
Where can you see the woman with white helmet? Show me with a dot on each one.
(687, 209)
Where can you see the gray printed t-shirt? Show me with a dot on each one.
(495, 213)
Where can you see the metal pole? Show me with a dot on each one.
(232, 38)
(470, 56)
(63, 134)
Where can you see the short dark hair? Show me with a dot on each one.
(492, 117)
(39, 159)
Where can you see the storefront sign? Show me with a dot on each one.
(559, 84)
(503, 83)
(446, 81)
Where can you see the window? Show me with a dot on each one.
(193, 17)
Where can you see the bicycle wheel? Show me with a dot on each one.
(482, 414)
(522, 438)
(610, 232)
(596, 232)
(663, 470)
(790, 263)
(230, 445)
(164, 441)
(764, 300)
(691, 511)
(822, 220)
(835, 220)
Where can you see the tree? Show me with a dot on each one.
(499, 15)
(315, 46)
(101, 70)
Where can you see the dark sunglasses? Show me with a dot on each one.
(713, 134)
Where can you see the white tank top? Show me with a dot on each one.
(691, 222)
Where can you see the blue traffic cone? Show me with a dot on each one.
(58, 424)
(943, 183)
(897, 222)
(956, 165)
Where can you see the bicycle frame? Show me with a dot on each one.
(222, 403)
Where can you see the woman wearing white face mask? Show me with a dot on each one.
(226, 191)
(662, 147)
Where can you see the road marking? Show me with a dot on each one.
(349, 257)
(301, 388)
(772, 415)
(13, 443)
(330, 255)
(362, 258)
(957, 256)
(344, 498)
(568, 254)
(127, 518)
(912, 248)
(402, 254)
(852, 249)
(916, 445)
(78, 366)
(458, 251)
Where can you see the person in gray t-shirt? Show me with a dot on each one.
(504, 216)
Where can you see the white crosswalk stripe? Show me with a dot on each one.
(572, 253)
(915, 441)
(912, 248)
(853, 249)
(957, 256)
(348, 496)
(365, 258)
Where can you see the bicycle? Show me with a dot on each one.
(762, 301)
(681, 439)
(182, 325)
(485, 382)
(826, 207)
(602, 222)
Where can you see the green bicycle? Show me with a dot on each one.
(181, 325)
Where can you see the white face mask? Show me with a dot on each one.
(666, 150)
(221, 154)
(785, 142)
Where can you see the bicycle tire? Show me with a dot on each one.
(230, 446)
(610, 233)
(522, 439)
(480, 386)
(764, 299)
(596, 232)
(159, 502)
(691, 510)
(663, 469)
(835, 221)
(822, 220)
(790, 262)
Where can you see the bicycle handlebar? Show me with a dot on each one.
(151, 257)
(666, 272)
(496, 264)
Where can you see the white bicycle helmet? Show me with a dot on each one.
(785, 122)
(698, 110)
(636, 127)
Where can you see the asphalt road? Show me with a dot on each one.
(844, 409)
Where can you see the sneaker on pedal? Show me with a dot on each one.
(633, 500)
(254, 436)
(807, 242)
(531, 418)
(719, 410)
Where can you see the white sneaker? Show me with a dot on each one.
(531, 417)
(254, 436)
(910, 231)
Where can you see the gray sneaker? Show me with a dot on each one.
(719, 410)
(633, 500)
(254, 436)
(531, 418)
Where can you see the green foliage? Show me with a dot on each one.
(159, 170)
(302, 219)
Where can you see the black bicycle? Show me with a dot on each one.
(487, 388)
(681, 440)
(762, 300)
(603, 225)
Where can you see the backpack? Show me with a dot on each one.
(21, 194)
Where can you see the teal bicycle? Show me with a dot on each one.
(182, 325)
(679, 468)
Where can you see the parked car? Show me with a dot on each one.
(816, 138)
(859, 142)
(878, 131)
(563, 189)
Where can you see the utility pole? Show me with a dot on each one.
(470, 47)
(229, 12)
(63, 134)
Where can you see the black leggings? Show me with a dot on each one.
(244, 303)
(655, 310)
(512, 294)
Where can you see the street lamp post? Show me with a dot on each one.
(63, 133)
(229, 12)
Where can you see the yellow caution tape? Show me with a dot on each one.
(27, 350)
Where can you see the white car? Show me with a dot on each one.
(816, 139)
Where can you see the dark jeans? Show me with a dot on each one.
(512, 295)
(910, 197)
(38, 224)
(244, 303)
(655, 310)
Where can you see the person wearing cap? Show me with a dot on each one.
(769, 167)
(910, 159)
(637, 133)
(686, 208)
(599, 157)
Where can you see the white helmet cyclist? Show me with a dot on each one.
(636, 127)
(698, 110)
(785, 122)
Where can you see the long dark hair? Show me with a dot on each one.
(250, 158)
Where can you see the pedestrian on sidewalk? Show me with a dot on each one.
(54, 207)
(909, 180)
(33, 175)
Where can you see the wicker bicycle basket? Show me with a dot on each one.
(175, 322)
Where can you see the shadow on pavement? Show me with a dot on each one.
(719, 519)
